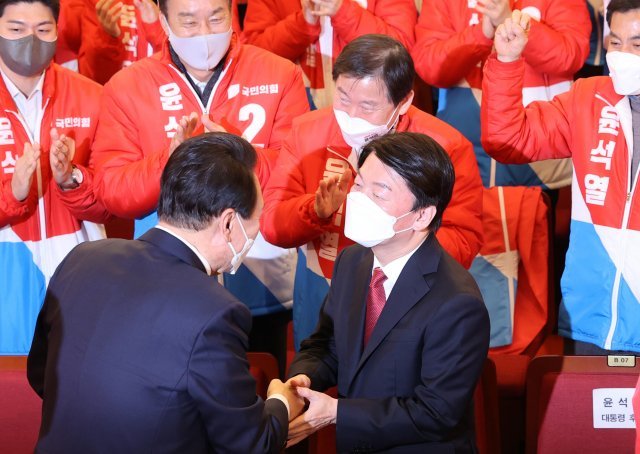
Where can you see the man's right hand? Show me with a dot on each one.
(288, 390)
(494, 13)
(186, 126)
(23, 173)
(331, 194)
(512, 36)
(109, 16)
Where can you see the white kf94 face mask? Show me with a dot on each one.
(366, 223)
(238, 257)
(624, 69)
(201, 52)
(357, 131)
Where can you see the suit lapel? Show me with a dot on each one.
(354, 322)
(411, 287)
(173, 246)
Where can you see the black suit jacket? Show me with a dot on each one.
(410, 390)
(137, 349)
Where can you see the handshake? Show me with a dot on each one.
(304, 420)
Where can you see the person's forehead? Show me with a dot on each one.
(179, 6)
(374, 172)
(371, 87)
(35, 11)
(629, 20)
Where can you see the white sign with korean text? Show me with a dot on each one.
(612, 408)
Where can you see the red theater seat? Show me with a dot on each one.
(560, 405)
(486, 411)
(20, 407)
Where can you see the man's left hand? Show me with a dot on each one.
(322, 411)
(61, 154)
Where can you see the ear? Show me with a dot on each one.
(225, 224)
(425, 217)
(406, 103)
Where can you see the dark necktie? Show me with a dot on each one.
(375, 302)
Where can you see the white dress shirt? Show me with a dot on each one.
(29, 107)
(393, 269)
(201, 85)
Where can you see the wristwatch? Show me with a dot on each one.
(76, 179)
(76, 175)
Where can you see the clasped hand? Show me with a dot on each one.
(321, 411)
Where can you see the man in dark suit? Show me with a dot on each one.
(138, 348)
(403, 332)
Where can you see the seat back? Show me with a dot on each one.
(487, 421)
(20, 407)
(560, 415)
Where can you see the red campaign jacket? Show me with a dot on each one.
(99, 55)
(71, 105)
(279, 26)
(592, 125)
(449, 51)
(257, 96)
(315, 149)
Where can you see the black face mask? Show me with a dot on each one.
(27, 56)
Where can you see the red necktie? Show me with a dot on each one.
(375, 302)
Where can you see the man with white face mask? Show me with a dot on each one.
(305, 197)
(403, 332)
(597, 125)
(151, 356)
(48, 117)
(202, 79)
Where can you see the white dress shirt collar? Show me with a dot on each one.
(201, 85)
(207, 267)
(29, 107)
(393, 269)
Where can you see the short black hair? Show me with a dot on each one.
(54, 5)
(422, 163)
(378, 56)
(204, 176)
(621, 6)
(162, 4)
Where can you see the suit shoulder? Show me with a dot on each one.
(352, 254)
(102, 246)
(456, 279)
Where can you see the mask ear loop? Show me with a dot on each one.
(400, 217)
(244, 232)
(395, 123)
